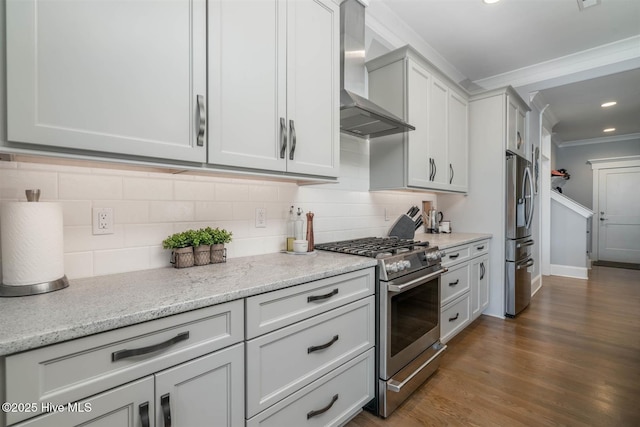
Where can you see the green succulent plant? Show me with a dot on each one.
(219, 235)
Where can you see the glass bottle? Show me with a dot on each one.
(291, 236)
(299, 226)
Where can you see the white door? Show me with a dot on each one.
(458, 142)
(418, 82)
(208, 391)
(619, 215)
(313, 80)
(247, 83)
(126, 77)
(438, 112)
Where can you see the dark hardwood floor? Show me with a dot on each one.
(572, 358)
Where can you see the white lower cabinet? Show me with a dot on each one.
(189, 367)
(464, 289)
(205, 391)
(319, 369)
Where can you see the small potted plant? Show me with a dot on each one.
(201, 241)
(220, 236)
(181, 250)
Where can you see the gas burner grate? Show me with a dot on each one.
(372, 247)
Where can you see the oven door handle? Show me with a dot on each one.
(397, 387)
(392, 287)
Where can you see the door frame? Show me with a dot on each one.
(596, 166)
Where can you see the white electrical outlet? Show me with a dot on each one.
(102, 221)
(261, 218)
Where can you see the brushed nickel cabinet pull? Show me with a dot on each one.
(202, 120)
(321, 297)
(323, 410)
(323, 346)
(123, 354)
(166, 410)
(292, 136)
(143, 410)
(283, 137)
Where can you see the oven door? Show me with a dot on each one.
(409, 319)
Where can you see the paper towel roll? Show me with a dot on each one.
(32, 243)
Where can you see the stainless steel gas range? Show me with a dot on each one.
(407, 315)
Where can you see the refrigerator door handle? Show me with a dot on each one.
(528, 215)
(524, 264)
(523, 244)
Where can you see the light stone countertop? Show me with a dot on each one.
(444, 241)
(99, 304)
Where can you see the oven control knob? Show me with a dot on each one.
(401, 265)
(393, 267)
(406, 264)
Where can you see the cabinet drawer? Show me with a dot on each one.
(274, 310)
(454, 317)
(342, 392)
(283, 361)
(456, 254)
(480, 248)
(454, 283)
(73, 370)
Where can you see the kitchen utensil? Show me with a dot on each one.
(434, 221)
(309, 231)
(403, 228)
(418, 222)
(413, 211)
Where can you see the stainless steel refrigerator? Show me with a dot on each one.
(519, 216)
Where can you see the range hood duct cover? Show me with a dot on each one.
(359, 116)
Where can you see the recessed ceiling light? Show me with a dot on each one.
(609, 104)
(490, 1)
(609, 130)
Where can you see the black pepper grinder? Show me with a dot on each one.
(310, 231)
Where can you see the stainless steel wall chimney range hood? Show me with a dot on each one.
(359, 116)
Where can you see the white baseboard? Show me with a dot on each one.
(569, 271)
(536, 285)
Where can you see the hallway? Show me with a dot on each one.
(571, 358)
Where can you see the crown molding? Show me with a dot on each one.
(615, 52)
(606, 139)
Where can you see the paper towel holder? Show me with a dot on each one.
(36, 288)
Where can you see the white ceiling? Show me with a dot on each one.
(576, 59)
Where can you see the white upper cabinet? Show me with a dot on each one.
(516, 121)
(435, 155)
(274, 85)
(126, 77)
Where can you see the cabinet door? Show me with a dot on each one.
(313, 80)
(521, 133)
(479, 285)
(247, 83)
(131, 405)
(419, 163)
(458, 148)
(87, 75)
(208, 391)
(437, 130)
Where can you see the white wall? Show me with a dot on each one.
(574, 158)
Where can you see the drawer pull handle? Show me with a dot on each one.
(166, 410)
(451, 319)
(323, 410)
(123, 354)
(454, 283)
(144, 414)
(454, 256)
(323, 346)
(321, 297)
(480, 247)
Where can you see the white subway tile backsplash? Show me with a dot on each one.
(147, 189)
(120, 260)
(151, 204)
(89, 187)
(78, 265)
(194, 190)
(171, 211)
